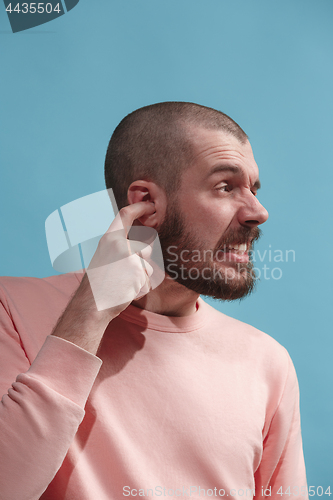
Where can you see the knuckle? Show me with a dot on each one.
(119, 246)
(102, 241)
(105, 240)
(124, 212)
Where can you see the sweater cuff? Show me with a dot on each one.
(66, 368)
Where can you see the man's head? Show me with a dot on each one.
(154, 143)
(197, 165)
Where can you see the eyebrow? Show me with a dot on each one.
(234, 170)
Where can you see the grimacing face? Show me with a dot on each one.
(211, 225)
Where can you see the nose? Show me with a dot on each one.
(252, 213)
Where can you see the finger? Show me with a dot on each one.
(148, 268)
(127, 215)
(140, 248)
(145, 289)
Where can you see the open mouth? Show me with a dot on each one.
(238, 249)
(234, 252)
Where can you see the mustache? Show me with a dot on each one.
(239, 236)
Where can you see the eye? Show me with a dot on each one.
(224, 187)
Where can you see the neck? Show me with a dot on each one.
(170, 299)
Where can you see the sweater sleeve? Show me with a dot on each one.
(41, 408)
(281, 473)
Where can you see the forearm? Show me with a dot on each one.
(81, 323)
(40, 415)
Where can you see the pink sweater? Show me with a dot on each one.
(194, 406)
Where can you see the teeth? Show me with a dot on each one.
(241, 249)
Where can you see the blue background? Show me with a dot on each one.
(65, 86)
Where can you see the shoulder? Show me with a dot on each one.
(30, 307)
(20, 289)
(249, 342)
(25, 298)
(258, 359)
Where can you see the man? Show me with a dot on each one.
(158, 394)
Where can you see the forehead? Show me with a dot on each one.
(214, 147)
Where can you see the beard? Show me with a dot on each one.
(204, 270)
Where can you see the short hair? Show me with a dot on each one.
(153, 143)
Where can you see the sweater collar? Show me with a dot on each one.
(164, 323)
(161, 322)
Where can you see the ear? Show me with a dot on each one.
(141, 190)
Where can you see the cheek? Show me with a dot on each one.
(209, 220)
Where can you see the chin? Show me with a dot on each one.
(239, 287)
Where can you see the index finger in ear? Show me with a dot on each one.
(127, 215)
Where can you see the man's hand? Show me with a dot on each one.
(116, 275)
